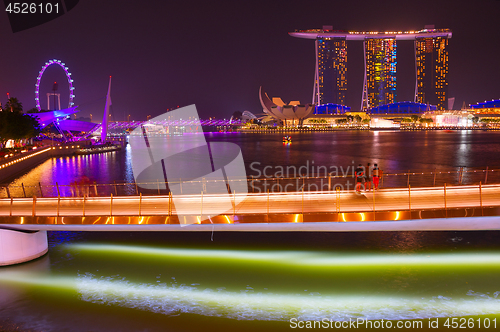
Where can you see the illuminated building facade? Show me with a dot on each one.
(331, 71)
(380, 72)
(402, 108)
(379, 88)
(431, 57)
(487, 108)
(331, 109)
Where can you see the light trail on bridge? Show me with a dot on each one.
(258, 203)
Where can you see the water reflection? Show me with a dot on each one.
(310, 285)
(63, 172)
(392, 151)
(113, 281)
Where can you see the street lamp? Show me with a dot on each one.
(128, 118)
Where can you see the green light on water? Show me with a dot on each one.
(40, 280)
(302, 258)
(165, 299)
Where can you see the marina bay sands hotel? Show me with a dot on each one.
(379, 88)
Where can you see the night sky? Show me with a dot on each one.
(215, 54)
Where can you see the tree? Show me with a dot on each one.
(414, 118)
(317, 121)
(16, 125)
(13, 105)
(357, 118)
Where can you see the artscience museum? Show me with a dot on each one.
(290, 115)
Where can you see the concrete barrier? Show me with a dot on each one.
(28, 161)
(21, 246)
(437, 224)
(23, 162)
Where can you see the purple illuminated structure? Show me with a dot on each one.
(124, 125)
(46, 118)
(61, 121)
(105, 120)
(39, 78)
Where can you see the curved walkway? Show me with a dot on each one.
(287, 203)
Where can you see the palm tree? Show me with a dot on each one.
(15, 125)
(14, 105)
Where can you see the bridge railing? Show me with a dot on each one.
(321, 182)
(388, 204)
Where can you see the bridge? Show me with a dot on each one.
(24, 221)
(120, 126)
(395, 204)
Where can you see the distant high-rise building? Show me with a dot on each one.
(431, 57)
(331, 70)
(380, 72)
(379, 88)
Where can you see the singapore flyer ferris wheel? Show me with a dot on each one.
(39, 78)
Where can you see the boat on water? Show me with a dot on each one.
(287, 139)
(99, 148)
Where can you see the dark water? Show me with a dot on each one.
(246, 281)
(265, 155)
(398, 150)
(121, 281)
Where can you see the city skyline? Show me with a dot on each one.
(218, 55)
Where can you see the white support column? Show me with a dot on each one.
(316, 78)
(49, 94)
(19, 247)
(104, 126)
(314, 86)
